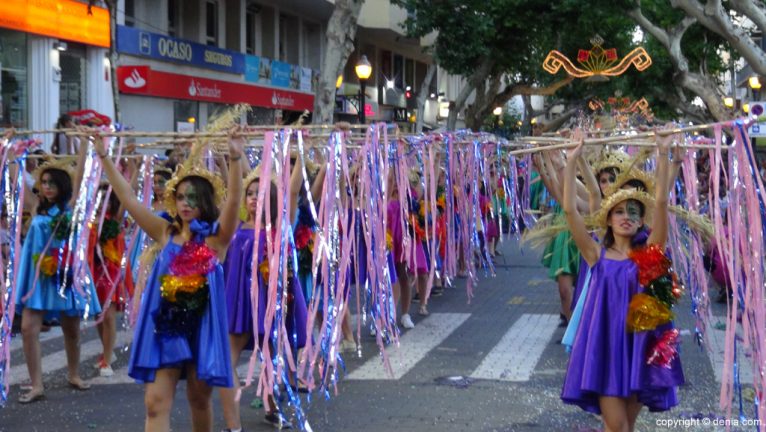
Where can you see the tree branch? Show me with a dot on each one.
(716, 19)
(756, 12)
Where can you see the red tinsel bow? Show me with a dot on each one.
(664, 350)
(302, 236)
(652, 263)
(195, 258)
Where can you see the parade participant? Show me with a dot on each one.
(181, 327)
(160, 179)
(113, 285)
(608, 372)
(45, 283)
(396, 231)
(238, 270)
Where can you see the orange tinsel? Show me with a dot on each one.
(172, 285)
(652, 263)
(646, 313)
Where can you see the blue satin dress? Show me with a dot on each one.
(206, 346)
(47, 295)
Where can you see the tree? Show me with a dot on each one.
(714, 16)
(341, 31)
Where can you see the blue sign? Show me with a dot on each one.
(146, 44)
(252, 68)
(280, 74)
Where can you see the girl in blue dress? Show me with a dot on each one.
(181, 330)
(44, 288)
(609, 371)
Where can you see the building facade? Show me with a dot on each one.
(53, 60)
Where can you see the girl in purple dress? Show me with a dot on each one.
(608, 371)
(238, 271)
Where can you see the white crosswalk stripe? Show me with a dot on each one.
(57, 360)
(413, 347)
(513, 358)
(516, 355)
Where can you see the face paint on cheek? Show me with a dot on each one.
(634, 212)
(191, 200)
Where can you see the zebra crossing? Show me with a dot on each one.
(513, 358)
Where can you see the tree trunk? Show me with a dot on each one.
(479, 75)
(341, 31)
(699, 84)
(424, 86)
(715, 18)
(113, 58)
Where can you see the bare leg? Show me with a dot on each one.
(404, 285)
(31, 321)
(614, 414)
(198, 393)
(71, 328)
(634, 408)
(566, 286)
(229, 403)
(107, 331)
(158, 399)
(345, 326)
(422, 281)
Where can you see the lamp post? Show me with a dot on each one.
(363, 71)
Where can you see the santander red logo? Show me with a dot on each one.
(135, 80)
(279, 100)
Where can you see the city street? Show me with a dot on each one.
(494, 364)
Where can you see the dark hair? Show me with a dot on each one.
(609, 236)
(63, 120)
(273, 204)
(610, 170)
(205, 198)
(64, 185)
(113, 203)
(164, 174)
(635, 183)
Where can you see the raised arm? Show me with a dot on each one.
(588, 247)
(82, 152)
(296, 183)
(659, 235)
(591, 184)
(228, 219)
(154, 226)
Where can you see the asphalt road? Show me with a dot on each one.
(492, 364)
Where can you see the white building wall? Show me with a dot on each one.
(144, 113)
(44, 78)
(99, 84)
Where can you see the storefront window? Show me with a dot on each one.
(185, 112)
(73, 63)
(13, 79)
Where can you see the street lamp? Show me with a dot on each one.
(363, 71)
(728, 102)
(755, 85)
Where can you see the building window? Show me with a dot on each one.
(172, 18)
(251, 24)
(130, 13)
(399, 71)
(13, 79)
(183, 111)
(211, 17)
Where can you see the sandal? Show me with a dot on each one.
(31, 396)
(423, 311)
(81, 386)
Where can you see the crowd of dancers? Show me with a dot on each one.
(206, 285)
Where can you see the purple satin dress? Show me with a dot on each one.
(606, 359)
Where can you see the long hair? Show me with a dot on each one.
(609, 236)
(273, 204)
(63, 184)
(205, 199)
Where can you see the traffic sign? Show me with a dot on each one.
(758, 109)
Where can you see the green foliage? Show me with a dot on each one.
(518, 34)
